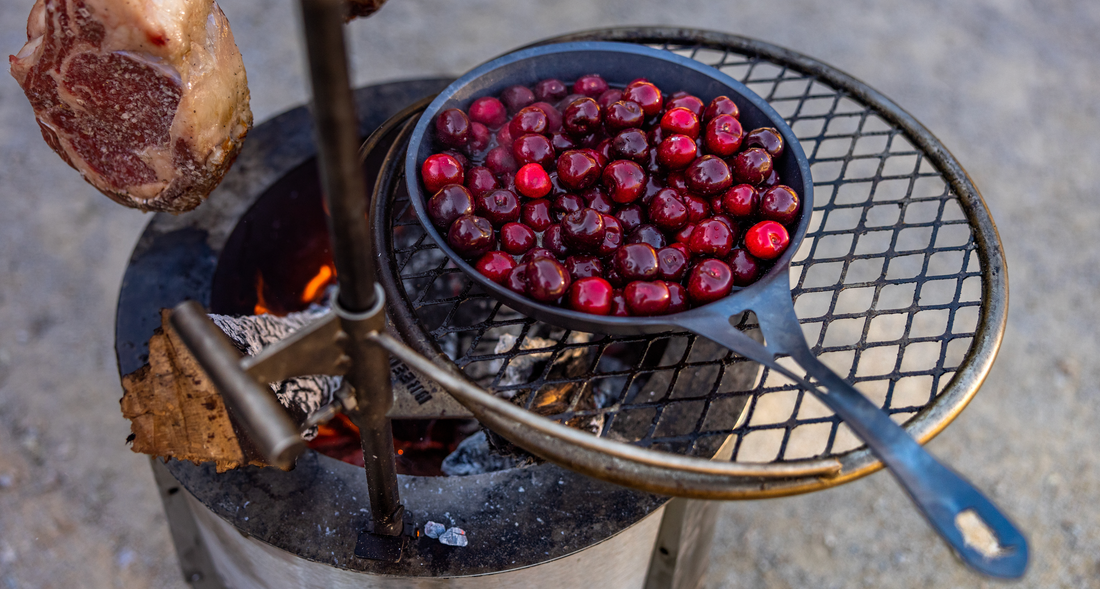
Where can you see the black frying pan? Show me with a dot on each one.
(940, 493)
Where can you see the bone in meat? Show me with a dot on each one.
(146, 98)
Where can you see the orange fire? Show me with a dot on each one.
(316, 285)
(261, 304)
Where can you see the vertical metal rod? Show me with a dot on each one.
(360, 303)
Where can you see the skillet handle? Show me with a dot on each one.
(945, 498)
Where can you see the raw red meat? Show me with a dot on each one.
(146, 98)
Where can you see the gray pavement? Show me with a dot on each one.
(1010, 86)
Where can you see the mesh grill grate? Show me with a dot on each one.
(887, 285)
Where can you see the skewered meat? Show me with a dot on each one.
(146, 98)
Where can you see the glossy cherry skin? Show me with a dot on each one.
(517, 238)
(646, 95)
(496, 266)
(735, 229)
(687, 101)
(505, 137)
(552, 240)
(591, 85)
(480, 180)
(591, 295)
(766, 138)
(767, 240)
(709, 281)
(679, 246)
(583, 230)
(772, 179)
(751, 166)
(682, 236)
(528, 120)
(499, 207)
(618, 304)
(680, 121)
(533, 149)
(745, 267)
(711, 238)
(451, 202)
(581, 117)
(676, 179)
(536, 252)
(636, 261)
(697, 208)
(452, 128)
(723, 136)
(480, 137)
(488, 111)
(625, 181)
(517, 279)
(440, 170)
(532, 181)
(553, 116)
(623, 114)
(562, 142)
(741, 201)
(677, 298)
(630, 144)
(667, 210)
(648, 234)
(603, 151)
(612, 237)
(597, 198)
(645, 298)
(517, 97)
(722, 105)
(501, 161)
(577, 170)
(780, 204)
(609, 97)
(563, 204)
(676, 152)
(536, 214)
(550, 90)
(672, 264)
(547, 280)
(583, 266)
(471, 236)
(708, 175)
(631, 217)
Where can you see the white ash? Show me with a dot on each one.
(252, 333)
(434, 529)
(474, 455)
(454, 537)
(520, 367)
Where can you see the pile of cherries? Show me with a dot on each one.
(609, 201)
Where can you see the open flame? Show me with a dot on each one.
(312, 292)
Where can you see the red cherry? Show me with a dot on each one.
(536, 252)
(618, 304)
(496, 266)
(767, 240)
(672, 264)
(451, 202)
(600, 157)
(711, 238)
(553, 116)
(480, 180)
(452, 128)
(766, 138)
(552, 240)
(581, 117)
(610, 97)
(648, 234)
(721, 105)
(667, 211)
(583, 267)
(471, 236)
(547, 279)
(623, 114)
(724, 136)
(536, 214)
(591, 85)
(677, 180)
(630, 144)
(677, 152)
(577, 170)
(709, 281)
(684, 100)
(744, 266)
(480, 138)
(625, 180)
(680, 121)
(597, 199)
(500, 161)
(591, 295)
(528, 120)
(708, 175)
(461, 159)
(683, 235)
(680, 247)
(646, 95)
(532, 181)
(550, 90)
(604, 151)
(636, 261)
(697, 208)
(741, 200)
(647, 298)
(564, 204)
(771, 180)
(751, 166)
(505, 137)
(533, 149)
(498, 206)
(583, 230)
(489, 112)
(612, 237)
(631, 216)
(562, 142)
(517, 279)
(516, 238)
(779, 204)
(677, 299)
(517, 97)
(440, 170)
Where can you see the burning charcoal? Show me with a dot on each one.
(474, 456)
(454, 537)
(434, 529)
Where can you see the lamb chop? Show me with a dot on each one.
(146, 98)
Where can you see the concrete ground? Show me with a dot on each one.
(1010, 86)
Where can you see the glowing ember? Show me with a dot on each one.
(316, 286)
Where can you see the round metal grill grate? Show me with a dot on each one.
(890, 285)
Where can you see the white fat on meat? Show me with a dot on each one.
(148, 99)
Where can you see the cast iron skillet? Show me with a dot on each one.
(941, 494)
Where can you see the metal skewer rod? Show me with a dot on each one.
(360, 303)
